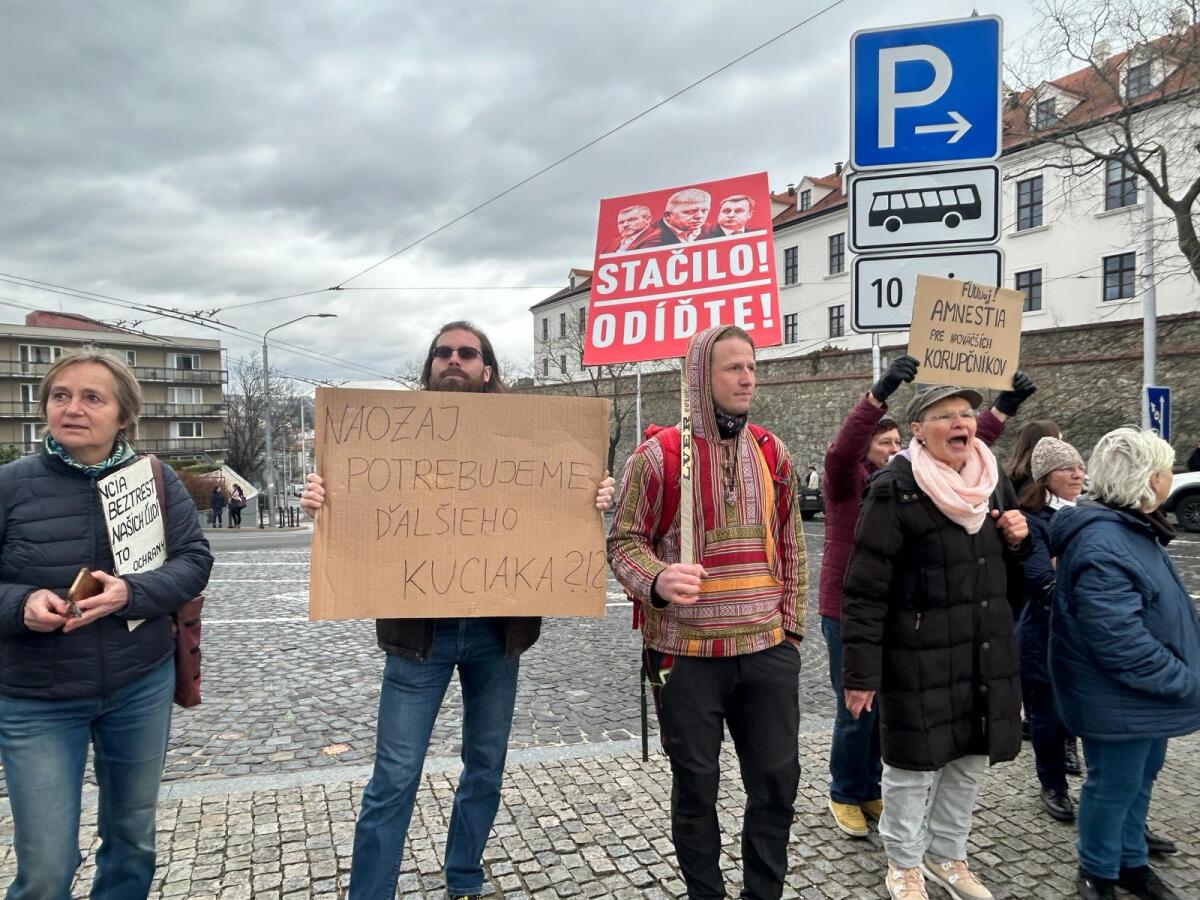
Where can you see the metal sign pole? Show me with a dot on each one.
(687, 548)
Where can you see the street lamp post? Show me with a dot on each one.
(270, 458)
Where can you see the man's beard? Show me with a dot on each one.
(462, 384)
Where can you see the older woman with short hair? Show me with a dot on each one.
(1124, 654)
(98, 674)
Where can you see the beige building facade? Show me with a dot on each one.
(182, 378)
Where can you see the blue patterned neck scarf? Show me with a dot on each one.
(122, 451)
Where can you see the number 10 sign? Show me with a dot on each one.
(883, 286)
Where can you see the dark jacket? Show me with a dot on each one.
(927, 622)
(51, 524)
(413, 638)
(1193, 462)
(846, 474)
(216, 501)
(1124, 635)
(1038, 575)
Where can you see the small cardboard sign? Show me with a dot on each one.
(133, 519)
(965, 334)
(441, 504)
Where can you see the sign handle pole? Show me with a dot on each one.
(637, 438)
(1149, 309)
(687, 547)
(876, 364)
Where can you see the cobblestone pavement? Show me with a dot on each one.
(264, 777)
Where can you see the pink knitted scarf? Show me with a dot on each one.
(961, 496)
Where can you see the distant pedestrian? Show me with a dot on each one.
(216, 502)
(1124, 654)
(814, 478)
(927, 627)
(864, 444)
(1057, 473)
(237, 502)
(1193, 462)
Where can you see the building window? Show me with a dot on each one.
(29, 398)
(1118, 276)
(1120, 185)
(562, 363)
(791, 265)
(1030, 284)
(188, 429)
(562, 324)
(790, 328)
(837, 253)
(131, 357)
(545, 368)
(184, 361)
(1045, 114)
(545, 329)
(805, 200)
(1029, 203)
(34, 355)
(29, 435)
(837, 321)
(582, 321)
(1137, 81)
(176, 395)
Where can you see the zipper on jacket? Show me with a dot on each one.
(919, 617)
(94, 510)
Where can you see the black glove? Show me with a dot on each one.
(901, 369)
(1008, 402)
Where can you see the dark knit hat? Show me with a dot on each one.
(1051, 454)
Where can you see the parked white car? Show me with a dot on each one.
(1184, 500)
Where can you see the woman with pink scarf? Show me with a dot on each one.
(927, 632)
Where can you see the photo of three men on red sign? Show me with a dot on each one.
(673, 262)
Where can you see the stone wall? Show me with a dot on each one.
(1089, 381)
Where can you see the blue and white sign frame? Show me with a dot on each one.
(927, 93)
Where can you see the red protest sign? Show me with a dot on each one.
(673, 262)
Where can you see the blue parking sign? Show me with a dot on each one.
(928, 93)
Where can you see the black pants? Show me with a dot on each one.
(235, 517)
(1046, 733)
(758, 697)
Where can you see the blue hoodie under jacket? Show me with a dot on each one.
(1124, 634)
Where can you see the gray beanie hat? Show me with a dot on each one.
(1051, 454)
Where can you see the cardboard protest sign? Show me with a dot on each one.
(133, 519)
(673, 262)
(965, 334)
(444, 504)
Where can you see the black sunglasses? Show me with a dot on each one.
(464, 353)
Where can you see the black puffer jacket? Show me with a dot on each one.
(927, 622)
(50, 525)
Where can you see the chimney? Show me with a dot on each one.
(1013, 100)
(837, 169)
(1101, 51)
(791, 190)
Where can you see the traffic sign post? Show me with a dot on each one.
(925, 101)
(1158, 401)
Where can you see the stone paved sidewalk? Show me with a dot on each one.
(591, 821)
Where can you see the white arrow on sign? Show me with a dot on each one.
(959, 126)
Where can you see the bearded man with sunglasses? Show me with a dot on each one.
(422, 655)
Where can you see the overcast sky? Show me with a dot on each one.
(208, 154)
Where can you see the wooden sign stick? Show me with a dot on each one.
(687, 546)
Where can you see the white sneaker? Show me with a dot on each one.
(955, 876)
(906, 884)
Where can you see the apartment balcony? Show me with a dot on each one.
(26, 409)
(16, 368)
(158, 446)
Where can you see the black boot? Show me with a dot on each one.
(1092, 887)
(1159, 845)
(1058, 803)
(1144, 884)
(1071, 758)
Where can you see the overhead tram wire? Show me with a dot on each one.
(587, 146)
(189, 318)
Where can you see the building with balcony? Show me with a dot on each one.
(182, 378)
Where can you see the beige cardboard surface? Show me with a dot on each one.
(441, 504)
(965, 334)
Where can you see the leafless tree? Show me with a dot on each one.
(246, 397)
(1137, 103)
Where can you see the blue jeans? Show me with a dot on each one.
(855, 764)
(44, 746)
(1113, 803)
(408, 705)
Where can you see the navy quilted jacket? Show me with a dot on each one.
(50, 525)
(1124, 635)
